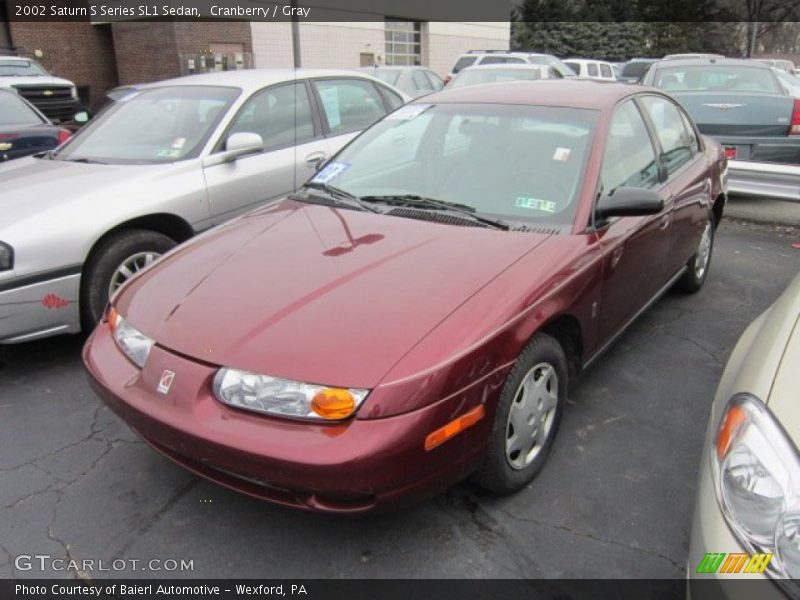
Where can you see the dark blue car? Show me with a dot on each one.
(24, 130)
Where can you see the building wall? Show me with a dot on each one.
(151, 51)
(80, 52)
(339, 44)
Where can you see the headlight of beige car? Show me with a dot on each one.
(756, 470)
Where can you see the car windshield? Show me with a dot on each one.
(389, 76)
(13, 111)
(12, 68)
(716, 78)
(474, 76)
(160, 125)
(510, 162)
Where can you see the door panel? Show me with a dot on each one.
(635, 249)
(284, 118)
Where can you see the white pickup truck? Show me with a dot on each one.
(57, 98)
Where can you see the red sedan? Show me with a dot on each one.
(419, 311)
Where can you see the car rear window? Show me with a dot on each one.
(464, 61)
(717, 78)
(14, 112)
(478, 75)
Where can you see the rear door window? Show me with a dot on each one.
(605, 71)
(678, 143)
(629, 159)
(591, 68)
(421, 81)
(349, 104)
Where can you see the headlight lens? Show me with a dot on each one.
(756, 469)
(271, 395)
(132, 342)
(6, 257)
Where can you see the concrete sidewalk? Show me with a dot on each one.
(763, 210)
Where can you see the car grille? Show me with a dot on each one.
(55, 101)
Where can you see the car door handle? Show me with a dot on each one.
(664, 222)
(315, 160)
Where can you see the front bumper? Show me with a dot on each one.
(356, 466)
(40, 309)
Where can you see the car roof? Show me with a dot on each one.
(253, 79)
(589, 94)
(688, 62)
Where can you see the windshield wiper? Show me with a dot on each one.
(415, 201)
(342, 195)
(88, 161)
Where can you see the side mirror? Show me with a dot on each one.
(81, 117)
(242, 144)
(629, 202)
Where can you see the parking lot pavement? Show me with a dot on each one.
(614, 500)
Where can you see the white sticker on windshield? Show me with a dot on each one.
(562, 154)
(535, 204)
(408, 112)
(330, 172)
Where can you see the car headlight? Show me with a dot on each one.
(274, 396)
(756, 469)
(6, 257)
(133, 343)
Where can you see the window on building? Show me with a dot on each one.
(403, 43)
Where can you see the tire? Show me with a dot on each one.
(134, 247)
(697, 267)
(507, 468)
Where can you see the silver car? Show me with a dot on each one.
(747, 514)
(414, 81)
(162, 164)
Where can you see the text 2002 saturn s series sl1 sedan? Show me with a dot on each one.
(419, 311)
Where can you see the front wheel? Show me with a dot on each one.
(697, 267)
(527, 418)
(113, 262)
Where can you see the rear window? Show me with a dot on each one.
(717, 78)
(14, 111)
(477, 75)
(464, 61)
(635, 69)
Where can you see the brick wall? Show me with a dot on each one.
(150, 51)
(80, 52)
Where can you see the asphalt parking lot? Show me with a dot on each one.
(614, 500)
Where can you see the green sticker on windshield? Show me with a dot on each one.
(535, 204)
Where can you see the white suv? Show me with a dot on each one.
(592, 69)
(57, 98)
(496, 57)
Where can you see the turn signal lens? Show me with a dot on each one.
(111, 317)
(335, 403)
(734, 417)
(441, 435)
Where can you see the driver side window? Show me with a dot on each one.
(281, 115)
(629, 158)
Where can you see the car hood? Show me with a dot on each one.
(8, 82)
(31, 186)
(313, 293)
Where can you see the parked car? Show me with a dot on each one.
(173, 159)
(502, 73)
(746, 516)
(54, 96)
(786, 66)
(24, 130)
(591, 69)
(548, 60)
(634, 69)
(502, 57)
(743, 106)
(413, 81)
(419, 311)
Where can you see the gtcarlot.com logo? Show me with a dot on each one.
(735, 562)
(45, 562)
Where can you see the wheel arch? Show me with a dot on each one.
(566, 329)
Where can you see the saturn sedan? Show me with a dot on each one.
(420, 310)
